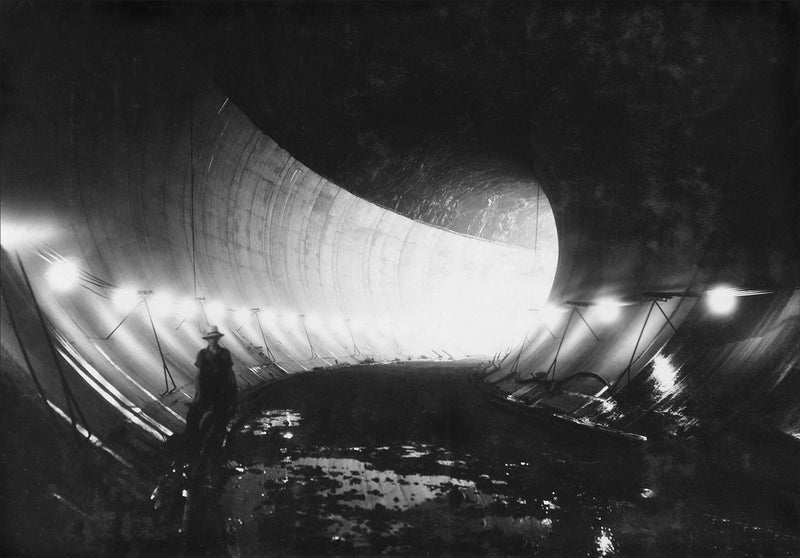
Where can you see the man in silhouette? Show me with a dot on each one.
(216, 392)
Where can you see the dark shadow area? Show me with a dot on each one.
(61, 495)
(670, 127)
(412, 460)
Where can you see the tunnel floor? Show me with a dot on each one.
(412, 460)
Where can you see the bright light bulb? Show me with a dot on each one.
(125, 299)
(721, 300)
(63, 275)
(607, 310)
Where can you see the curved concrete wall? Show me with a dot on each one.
(337, 279)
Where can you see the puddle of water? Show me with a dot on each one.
(296, 490)
(271, 419)
(396, 499)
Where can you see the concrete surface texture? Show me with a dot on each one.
(203, 219)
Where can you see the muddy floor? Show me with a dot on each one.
(413, 460)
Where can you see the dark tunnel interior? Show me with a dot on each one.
(496, 278)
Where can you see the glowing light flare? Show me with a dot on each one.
(242, 316)
(607, 310)
(185, 308)
(215, 311)
(125, 299)
(552, 315)
(12, 235)
(63, 275)
(16, 233)
(267, 318)
(162, 304)
(721, 300)
(287, 319)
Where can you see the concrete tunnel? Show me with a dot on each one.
(131, 223)
(336, 279)
(218, 224)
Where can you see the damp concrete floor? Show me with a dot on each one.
(411, 459)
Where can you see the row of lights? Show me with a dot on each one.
(64, 275)
(163, 305)
(720, 301)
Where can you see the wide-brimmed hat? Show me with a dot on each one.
(212, 331)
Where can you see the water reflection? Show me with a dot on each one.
(664, 374)
(272, 418)
(397, 476)
(328, 493)
(375, 497)
(605, 544)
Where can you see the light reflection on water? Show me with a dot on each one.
(272, 418)
(295, 489)
(605, 543)
(331, 492)
(664, 374)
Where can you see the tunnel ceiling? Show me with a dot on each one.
(145, 206)
(672, 124)
(664, 135)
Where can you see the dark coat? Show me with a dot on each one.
(216, 383)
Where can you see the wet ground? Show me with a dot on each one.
(413, 460)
